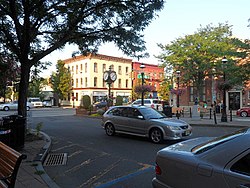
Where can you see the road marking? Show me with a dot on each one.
(123, 178)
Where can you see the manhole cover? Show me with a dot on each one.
(55, 159)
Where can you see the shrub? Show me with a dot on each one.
(100, 111)
(86, 101)
(119, 100)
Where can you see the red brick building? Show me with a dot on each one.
(153, 75)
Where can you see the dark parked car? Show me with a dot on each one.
(206, 162)
(100, 104)
(144, 121)
(243, 112)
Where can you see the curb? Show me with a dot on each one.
(41, 156)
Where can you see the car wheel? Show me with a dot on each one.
(243, 114)
(6, 108)
(156, 135)
(110, 129)
(28, 108)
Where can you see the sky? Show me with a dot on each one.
(177, 19)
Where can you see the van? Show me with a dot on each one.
(153, 103)
(36, 101)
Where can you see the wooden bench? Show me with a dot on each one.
(10, 161)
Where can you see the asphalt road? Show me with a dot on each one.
(97, 160)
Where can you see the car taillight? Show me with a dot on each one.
(152, 105)
(157, 169)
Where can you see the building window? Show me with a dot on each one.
(86, 67)
(76, 96)
(68, 96)
(103, 67)
(81, 67)
(77, 83)
(81, 82)
(95, 81)
(72, 69)
(95, 67)
(112, 67)
(248, 94)
(103, 83)
(86, 82)
(76, 69)
(126, 83)
(72, 82)
(119, 83)
(120, 70)
(126, 70)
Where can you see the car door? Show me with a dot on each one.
(237, 172)
(119, 119)
(136, 122)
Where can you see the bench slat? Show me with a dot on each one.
(10, 161)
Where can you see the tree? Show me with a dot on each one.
(35, 87)
(61, 81)
(32, 29)
(164, 90)
(9, 74)
(199, 55)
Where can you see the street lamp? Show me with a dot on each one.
(178, 74)
(142, 66)
(224, 109)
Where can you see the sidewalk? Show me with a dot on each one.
(31, 173)
(206, 121)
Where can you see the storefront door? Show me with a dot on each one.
(234, 100)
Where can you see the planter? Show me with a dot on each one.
(81, 111)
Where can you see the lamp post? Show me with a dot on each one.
(224, 110)
(142, 66)
(178, 86)
(109, 77)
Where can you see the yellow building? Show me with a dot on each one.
(87, 77)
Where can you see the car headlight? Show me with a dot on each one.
(174, 128)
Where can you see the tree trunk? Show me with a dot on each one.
(23, 89)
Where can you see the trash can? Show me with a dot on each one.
(217, 109)
(5, 131)
(17, 126)
(167, 110)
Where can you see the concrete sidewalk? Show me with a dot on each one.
(31, 173)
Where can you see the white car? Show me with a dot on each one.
(153, 103)
(36, 101)
(13, 106)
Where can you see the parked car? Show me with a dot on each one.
(13, 106)
(144, 121)
(243, 112)
(47, 103)
(100, 104)
(36, 101)
(205, 162)
(153, 103)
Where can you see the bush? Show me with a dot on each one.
(100, 111)
(119, 100)
(86, 101)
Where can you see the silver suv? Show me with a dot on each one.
(144, 121)
(153, 103)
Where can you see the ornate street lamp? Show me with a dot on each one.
(142, 66)
(109, 77)
(224, 107)
(178, 74)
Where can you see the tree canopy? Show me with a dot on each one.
(61, 81)
(200, 55)
(32, 29)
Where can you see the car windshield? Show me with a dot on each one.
(217, 141)
(150, 113)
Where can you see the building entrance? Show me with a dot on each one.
(234, 100)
